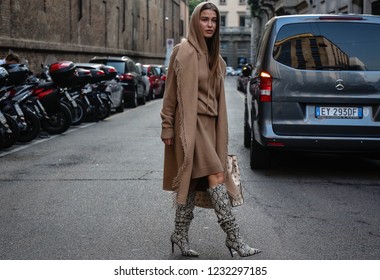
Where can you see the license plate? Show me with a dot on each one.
(339, 112)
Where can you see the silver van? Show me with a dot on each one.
(315, 86)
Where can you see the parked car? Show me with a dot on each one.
(241, 83)
(130, 78)
(117, 95)
(155, 81)
(238, 70)
(230, 71)
(146, 80)
(243, 78)
(162, 70)
(315, 87)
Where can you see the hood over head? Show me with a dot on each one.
(195, 35)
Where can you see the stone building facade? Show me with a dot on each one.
(45, 31)
(235, 31)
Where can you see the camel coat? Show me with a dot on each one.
(179, 116)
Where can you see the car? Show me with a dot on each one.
(156, 83)
(162, 70)
(230, 71)
(243, 78)
(130, 78)
(238, 70)
(241, 83)
(146, 80)
(314, 87)
(117, 95)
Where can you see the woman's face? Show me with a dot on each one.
(208, 21)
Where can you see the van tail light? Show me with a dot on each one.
(126, 77)
(265, 87)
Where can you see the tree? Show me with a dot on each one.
(193, 4)
(255, 7)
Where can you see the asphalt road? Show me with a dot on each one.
(95, 193)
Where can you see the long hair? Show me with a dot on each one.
(213, 43)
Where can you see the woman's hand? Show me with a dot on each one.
(168, 141)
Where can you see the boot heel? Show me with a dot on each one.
(229, 248)
(183, 245)
(222, 207)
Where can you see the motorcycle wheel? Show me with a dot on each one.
(104, 110)
(33, 126)
(59, 121)
(80, 113)
(9, 137)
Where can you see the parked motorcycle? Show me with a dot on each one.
(9, 131)
(13, 102)
(55, 115)
(95, 94)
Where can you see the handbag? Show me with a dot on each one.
(202, 198)
(234, 172)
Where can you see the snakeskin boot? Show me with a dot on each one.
(222, 207)
(180, 236)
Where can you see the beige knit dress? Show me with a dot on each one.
(206, 160)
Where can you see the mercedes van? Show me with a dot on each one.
(315, 86)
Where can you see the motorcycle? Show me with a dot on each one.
(95, 94)
(76, 106)
(9, 130)
(55, 115)
(12, 102)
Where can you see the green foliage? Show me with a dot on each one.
(255, 7)
(193, 4)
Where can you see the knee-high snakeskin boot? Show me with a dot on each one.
(226, 219)
(180, 236)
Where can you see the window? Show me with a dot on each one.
(243, 45)
(241, 21)
(222, 2)
(181, 28)
(131, 66)
(242, 2)
(120, 66)
(222, 20)
(329, 46)
(80, 15)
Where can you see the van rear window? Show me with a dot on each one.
(329, 46)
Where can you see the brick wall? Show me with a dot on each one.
(44, 31)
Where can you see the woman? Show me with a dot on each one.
(194, 131)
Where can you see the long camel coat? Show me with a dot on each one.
(179, 114)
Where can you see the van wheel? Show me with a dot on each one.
(246, 136)
(260, 158)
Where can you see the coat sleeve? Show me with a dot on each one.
(169, 104)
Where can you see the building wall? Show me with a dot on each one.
(44, 31)
(232, 9)
(235, 39)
